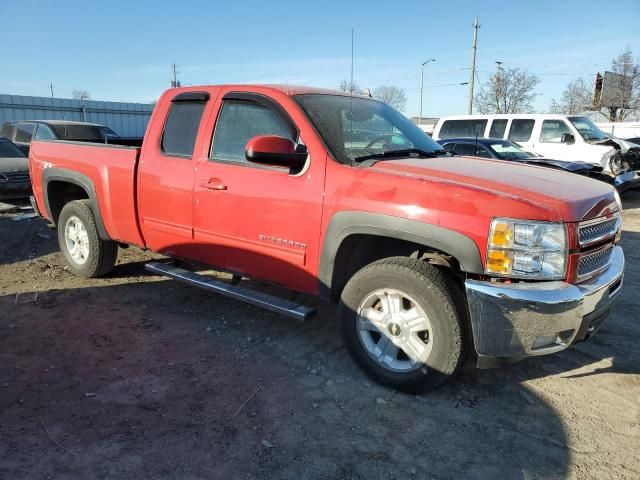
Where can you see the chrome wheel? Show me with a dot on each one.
(76, 240)
(394, 330)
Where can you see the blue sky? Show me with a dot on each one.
(122, 51)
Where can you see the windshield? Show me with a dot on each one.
(9, 150)
(83, 133)
(357, 128)
(588, 129)
(508, 150)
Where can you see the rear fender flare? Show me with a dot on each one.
(69, 176)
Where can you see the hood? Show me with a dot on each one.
(565, 196)
(14, 164)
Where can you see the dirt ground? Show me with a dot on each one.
(136, 376)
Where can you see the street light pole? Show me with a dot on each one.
(422, 86)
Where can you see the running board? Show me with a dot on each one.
(237, 292)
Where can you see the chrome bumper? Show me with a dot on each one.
(518, 320)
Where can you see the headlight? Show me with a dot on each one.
(527, 249)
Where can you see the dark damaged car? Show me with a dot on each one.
(14, 172)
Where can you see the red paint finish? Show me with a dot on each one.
(269, 224)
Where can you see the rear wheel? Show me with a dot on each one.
(85, 252)
(403, 323)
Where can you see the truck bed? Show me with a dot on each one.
(110, 169)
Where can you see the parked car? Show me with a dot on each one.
(14, 172)
(426, 257)
(506, 150)
(559, 137)
(23, 132)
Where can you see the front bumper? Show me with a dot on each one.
(513, 321)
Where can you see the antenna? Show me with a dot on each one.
(351, 87)
(175, 83)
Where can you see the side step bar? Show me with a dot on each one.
(237, 292)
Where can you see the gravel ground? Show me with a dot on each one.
(136, 376)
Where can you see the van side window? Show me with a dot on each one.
(463, 128)
(239, 122)
(7, 131)
(497, 128)
(181, 128)
(552, 131)
(521, 130)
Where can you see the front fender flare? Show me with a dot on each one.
(346, 223)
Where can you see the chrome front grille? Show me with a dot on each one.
(592, 232)
(592, 262)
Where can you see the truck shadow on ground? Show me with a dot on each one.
(144, 380)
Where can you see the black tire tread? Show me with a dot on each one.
(106, 251)
(453, 303)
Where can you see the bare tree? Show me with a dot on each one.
(392, 95)
(347, 86)
(576, 98)
(81, 94)
(509, 90)
(629, 89)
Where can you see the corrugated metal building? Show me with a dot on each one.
(126, 119)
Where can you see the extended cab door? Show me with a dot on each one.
(166, 173)
(260, 221)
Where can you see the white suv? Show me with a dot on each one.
(559, 137)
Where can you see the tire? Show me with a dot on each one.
(92, 256)
(421, 343)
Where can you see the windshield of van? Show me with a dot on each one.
(587, 129)
(356, 129)
(508, 150)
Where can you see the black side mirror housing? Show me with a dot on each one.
(276, 151)
(567, 138)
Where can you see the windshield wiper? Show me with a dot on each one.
(407, 152)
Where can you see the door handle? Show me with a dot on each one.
(213, 184)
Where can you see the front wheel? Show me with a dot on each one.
(402, 321)
(85, 252)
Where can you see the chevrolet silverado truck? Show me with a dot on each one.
(342, 197)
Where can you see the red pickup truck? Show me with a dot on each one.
(429, 256)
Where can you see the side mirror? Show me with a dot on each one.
(274, 150)
(567, 138)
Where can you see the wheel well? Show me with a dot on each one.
(357, 251)
(59, 193)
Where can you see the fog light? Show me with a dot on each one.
(543, 341)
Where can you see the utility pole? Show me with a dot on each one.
(51, 88)
(473, 64)
(422, 86)
(498, 82)
(175, 83)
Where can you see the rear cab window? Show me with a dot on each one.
(521, 129)
(182, 124)
(463, 128)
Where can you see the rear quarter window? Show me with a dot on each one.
(463, 128)
(181, 128)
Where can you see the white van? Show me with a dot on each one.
(559, 137)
